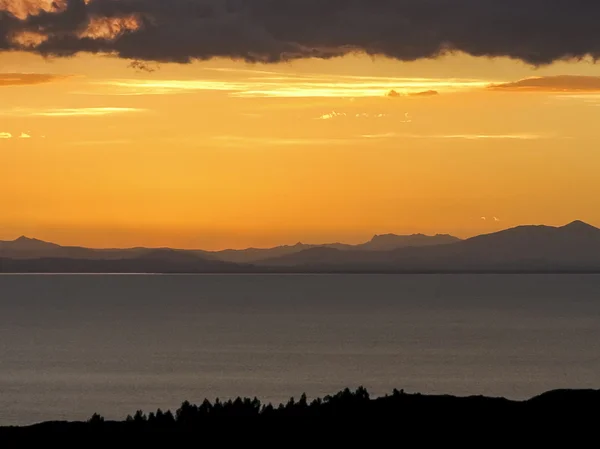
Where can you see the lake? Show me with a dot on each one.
(72, 345)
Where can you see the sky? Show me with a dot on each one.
(228, 124)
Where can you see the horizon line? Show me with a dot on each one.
(284, 245)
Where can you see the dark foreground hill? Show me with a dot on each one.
(349, 414)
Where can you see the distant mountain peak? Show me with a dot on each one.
(579, 225)
(25, 242)
(409, 237)
(28, 240)
(24, 238)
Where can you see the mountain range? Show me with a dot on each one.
(574, 247)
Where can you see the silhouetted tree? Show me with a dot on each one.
(96, 419)
(362, 394)
(412, 409)
(151, 419)
(397, 393)
(267, 410)
(139, 417)
(187, 414)
(168, 418)
(205, 408)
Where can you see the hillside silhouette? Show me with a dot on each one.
(357, 407)
(574, 247)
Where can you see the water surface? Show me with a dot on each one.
(74, 345)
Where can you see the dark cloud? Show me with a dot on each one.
(142, 66)
(561, 83)
(25, 79)
(535, 31)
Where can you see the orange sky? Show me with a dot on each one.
(226, 154)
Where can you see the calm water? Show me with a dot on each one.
(74, 345)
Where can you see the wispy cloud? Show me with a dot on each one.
(28, 79)
(7, 135)
(241, 141)
(263, 84)
(367, 115)
(125, 87)
(389, 135)
(68, 112)
(86, 112)
(379, 136)
(425, 93)
(331, 115)
(334, 114)
(86, 143)
(485, 136)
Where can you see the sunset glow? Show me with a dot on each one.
(104, 151)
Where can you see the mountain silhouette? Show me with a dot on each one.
(388, 242)
(574, 247)
(251, 255)
(28, 244)
(377, 243)
(26, 248)
(29, 248)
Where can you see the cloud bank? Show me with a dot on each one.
(535, 31)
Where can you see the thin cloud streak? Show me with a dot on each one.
(28, 79)
(5, 136)
(286, 86)
(86, 143)
(244, 141)
(458, 136)
(68, 112)
(488, 136)
(240, 141)
(379, 136)
(86, 112)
